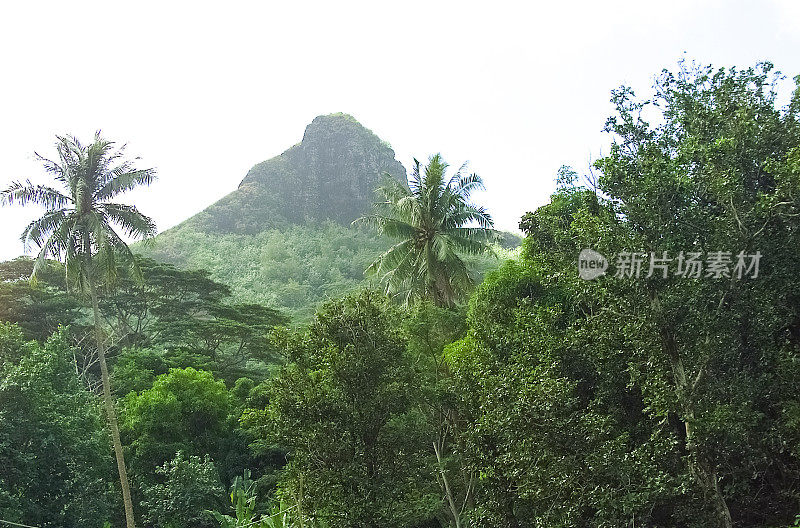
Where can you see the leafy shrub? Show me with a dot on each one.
(189, 486)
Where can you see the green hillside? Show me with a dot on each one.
(283, 238)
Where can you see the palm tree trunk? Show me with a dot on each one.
(110, 411)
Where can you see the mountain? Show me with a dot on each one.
(330, 175)
(283, 238)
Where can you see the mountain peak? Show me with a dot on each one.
(330, 175)
(329, 126)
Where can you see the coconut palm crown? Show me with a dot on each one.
(433, 223)
(78, 223)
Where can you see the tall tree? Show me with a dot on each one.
(433, 221)
(655, 399)
(79, 225)
(719, 175)
(345, 408)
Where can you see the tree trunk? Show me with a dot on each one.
(110, 411)
(445, 484)
(702, 471)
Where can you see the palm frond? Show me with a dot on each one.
(124, 180)
(40, 229)
(433, 183)
(133, 223)
(457, 176)
(465, 185)
(464, 214)
(468, 243)
(391, 258)
(23, 194)
(107, 246)
(56, 244)
(391, 227)
(415, 180)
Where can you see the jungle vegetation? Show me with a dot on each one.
(519, 396)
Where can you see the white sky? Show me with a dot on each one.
(202, 92)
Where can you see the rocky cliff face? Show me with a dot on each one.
(330, 175)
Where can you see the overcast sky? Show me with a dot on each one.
(203, 92)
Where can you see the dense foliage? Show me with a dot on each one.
(651, 398)
(54, 455)
(665, 401)
(344, 408)
(293, 269)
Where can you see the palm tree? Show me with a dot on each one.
(433, 222)
(78, 225)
